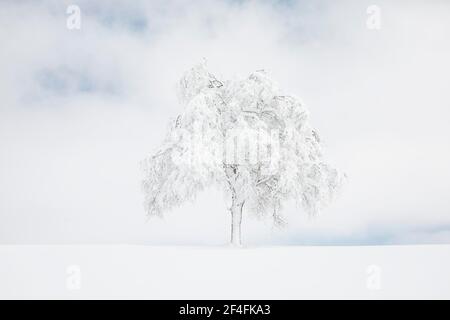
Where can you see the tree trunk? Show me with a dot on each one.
(236, 220)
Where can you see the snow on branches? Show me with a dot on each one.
(245, 136)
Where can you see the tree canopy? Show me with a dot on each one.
(245, 136)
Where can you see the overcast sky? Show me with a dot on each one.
(80, 108)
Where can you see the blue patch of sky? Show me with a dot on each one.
(67, 81)
(129, 17)
(374, 235)
(130, 22)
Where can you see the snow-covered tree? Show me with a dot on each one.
(246, 137)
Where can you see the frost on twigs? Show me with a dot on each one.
(245, 136)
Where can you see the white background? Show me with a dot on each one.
(147, 272)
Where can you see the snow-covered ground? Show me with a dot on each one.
(166, 272)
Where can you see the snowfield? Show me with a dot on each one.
(164, 272)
